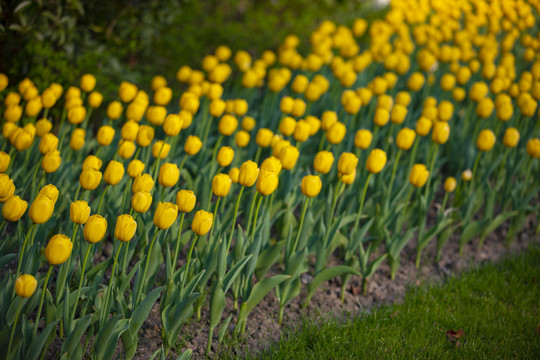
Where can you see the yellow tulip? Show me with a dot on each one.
(376, 161)
(14, 208)
(79, 211)
(125, 228)
(249, 171)
(311, 185)
(418, 175)
(25, 286)
(221, 184)
(165, 215)
(168, 175)
(186, 200)
(202, 222)
(58, 249)
(95, 229)
(323, 162)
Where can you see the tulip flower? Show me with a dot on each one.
(105, 135)
(142, 182)
(51, 161)
(14, 208)
(362, 139)
(25, 287)
(141, 201)
(90, 179)
(168, 175)
(41, 209)
(347, 163)
(418, 175)
(221, 184)
(79, 211)
(323, 162)
(165, 215)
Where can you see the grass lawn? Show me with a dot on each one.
(497, 306)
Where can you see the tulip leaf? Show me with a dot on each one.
(231, 276)
(217, 304)
(6, 259)
(223, 329)
(37, 342)
(470, 231)
(328, 274)
(374, 266)
(262, 288)
(186, 355)
(107, 339)
(399, 242)
(432, 232)
(73, 338)
(497, 221)
(267, 258)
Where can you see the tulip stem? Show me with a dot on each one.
(251, 207)
(392, 179)
(361, 208)
(177, 247)
(187, 263)
(124, 195)
(36, 324)
(155, 167)
(107, 306)
(21, 253)
(214, 220)
(255, 218)
(234, 218)
(182, 165)
(101, 199)
(475, 168)
(2, 225)
(143, 278)
(258, 154)
(12, 155)
(293, 248)
(433, 157)
(17, 313)
(83, 268)
(413, 154)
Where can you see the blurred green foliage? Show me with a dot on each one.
(58, 40)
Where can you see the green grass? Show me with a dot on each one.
(497, 306)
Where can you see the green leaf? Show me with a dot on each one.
(107, 339)
(186, 355)
(374, 265)
(223, 329)
(262, 288)
(217, 304)
(497, 221)
(470, 231)
(328, 274)
(268, 258)
(37, 343)
(234, 272)
(399, 242)
(74, 337)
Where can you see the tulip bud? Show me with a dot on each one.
(348, 179)
(34, 106)
(43, 127)
(347, 163)
(163, 96)
(79, 211)
(76, 115)
(50, 191)
(217, 107)
(467, 175)
(168, 175)
(242, 138)
(126, 149)
(165, 215)
(113, 173)
(172, 125)
(193, 145)
(441, 132)
(58, 249)
(13, 113)
(227, 125)
(398, 114)
(14, 208)
(311, 185)
(323, 162)
(419, 175)
(130, 130)
(48, 143)
(328, 119)
(249, 171)
(88, 82)
(25, 286)
(287, 126)
(51, 161)
(5, 159)
(127, 91)
(78, 137)
(450, 184)
(90, 178)
(186, 200)
(299, 108)
(240, 107)
(93, 162)
(225, 156)
(286, 105)
(288, 157)
(267, 182)
(125, 228)
(405, 138)
(376, 161)
(485, 140)
(135, 167)
(314, 124)
(202, 222)
(362, 139)
(484, 108)
(95, 229)
(145, 135)
(21, 139)
(8, 129)
(95, 99)
(160, 149)
(234, 173)
(143, 183)
(6, 187)
(336, 133)
(221, 185)
(114, 110)
(533, 148)
(302, 131)
(141, 201)
(248, 123)
(381, 117)
(105, 135)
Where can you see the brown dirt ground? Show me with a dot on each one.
(262, 327)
